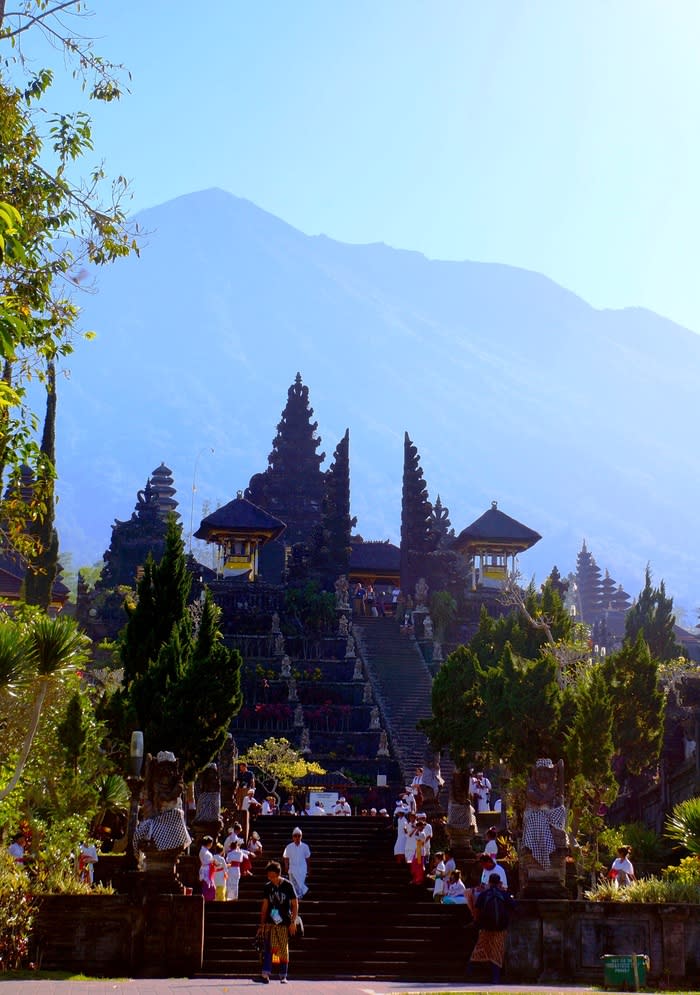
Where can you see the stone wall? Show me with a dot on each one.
(115, 935)
(565, 941)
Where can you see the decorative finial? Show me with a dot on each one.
(494, 505)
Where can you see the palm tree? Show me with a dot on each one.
(683, 825)
(51, 647)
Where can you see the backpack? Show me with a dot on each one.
(494, 913)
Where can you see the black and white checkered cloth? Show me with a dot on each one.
(537, 831)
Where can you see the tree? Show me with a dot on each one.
(632, 675)
(49, 648)
(332, 538)
(181, 686)
(417, 536)
(279, 763)
(652, 615)
(51, 225)
(459, 722)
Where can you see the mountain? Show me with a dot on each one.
(576, 420)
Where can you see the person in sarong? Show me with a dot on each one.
(278, 921)
(491, 944)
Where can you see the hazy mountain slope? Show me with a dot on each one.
(577, 421)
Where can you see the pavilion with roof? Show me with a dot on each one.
(491, 545)
(239, 530)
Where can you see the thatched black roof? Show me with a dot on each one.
(240, 515)
(497, 528)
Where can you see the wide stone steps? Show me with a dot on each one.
(362, 919)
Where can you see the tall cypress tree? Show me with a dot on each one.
(632, 675)
(652, 615)
(40, 577)
(417, 538)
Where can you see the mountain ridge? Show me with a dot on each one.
(512, 387)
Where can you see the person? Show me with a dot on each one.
(417, 864)
(269, 806)
(428, 833)
(492, 842)
(278, 921)
(296, 857)
(235, 858)
(250, 803)
(370, 601)
(220, 873)
(492, 914)
(16, 849)
(438, 874)
(244, 782)
(621, 871)
(416, 787)
(456, 890)
(400, 842)
(87, 858)
(342, 807)
(288, 807)
(489, 866)
(234, 834)
(480, 790)
(450, 864)
(319, 808)
(206, 869)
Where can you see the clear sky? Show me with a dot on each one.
(557, 135)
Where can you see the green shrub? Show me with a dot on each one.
(16, 915)
(652, 891)
(688, 871)
(646, 843)
(683, 825)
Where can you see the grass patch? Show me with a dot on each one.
(27, 975)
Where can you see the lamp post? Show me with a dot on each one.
(135, 783)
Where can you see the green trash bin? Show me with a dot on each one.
(625, 971)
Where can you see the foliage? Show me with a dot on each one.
(51, 225)
(458, 722)
(17, 911)
(652, 890)
(279, 762)
(683, 825)
(53, 647)
(638, 704)
(181, 687)
(312, 609)
(443, 610)
(687, 871)
(652, 616)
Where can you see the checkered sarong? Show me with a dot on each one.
(537, 831)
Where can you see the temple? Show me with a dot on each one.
(239, 530)
(491, 545)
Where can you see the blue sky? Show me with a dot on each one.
(559, 136)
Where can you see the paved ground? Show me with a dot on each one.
(185, 986)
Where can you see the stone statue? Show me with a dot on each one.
(350, 647)
(305, 741)
(286, 670)
(461, 818)
(162, 833)
(279, 644)
(343, 628)
(298, 716)
(428, 627)
(421, 594)
(383, 748)
(275, 624)
(544, 822)
(374, 718)
(358, 673)
(292, 694)
(437, 652)
(544, 846)
(342, 593)
(209, 797)
(367, 694)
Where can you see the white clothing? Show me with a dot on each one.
(231, 841)
(492, 848)
(496, 869)
(400, 844)
(234, 860)
(428, 833)
(221, 872)
(342, 808)
(456, 893)
(205, 859)
(247, 802)
(318, 810)
(266, 808)
(411, 841)
(297, 854)
(624, 871)
(439, 886)
(450, 866)
(88, 859)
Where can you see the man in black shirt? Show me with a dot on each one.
(278, 921)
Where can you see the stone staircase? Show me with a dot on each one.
(361, 917)
(403, 686)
